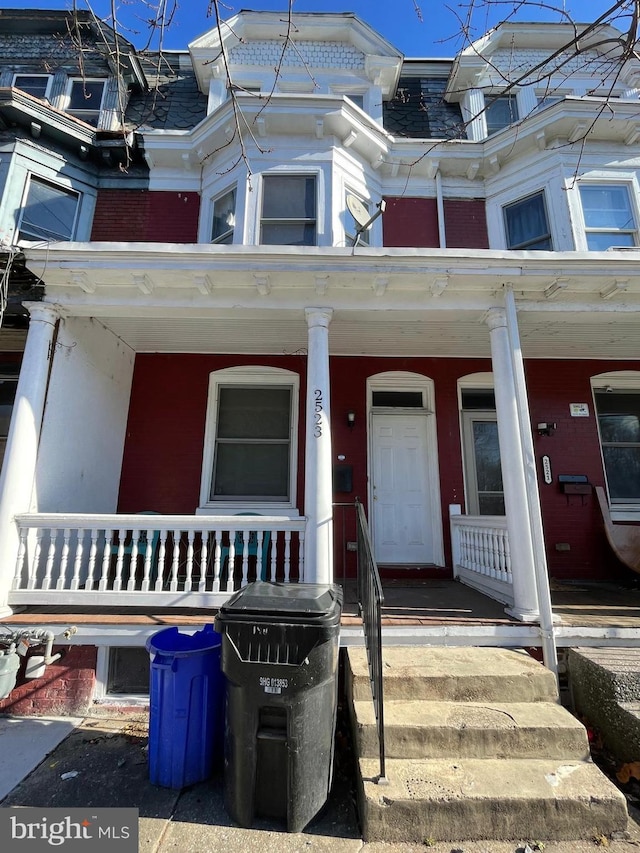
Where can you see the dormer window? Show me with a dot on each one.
(500, 112)
(85, 100)
(37, 85)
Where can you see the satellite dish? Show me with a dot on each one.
(358, 211)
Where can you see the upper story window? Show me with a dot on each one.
(288, 210)
(527, 224)
(608, 216)
(85, 100)
(224, 217)
(48, 212)
(500, 111)
(37, 85)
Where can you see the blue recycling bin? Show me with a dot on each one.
(186, 706)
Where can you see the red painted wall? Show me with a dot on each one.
(165, 437)
(144, 216)
(66, 688)
(414, 222)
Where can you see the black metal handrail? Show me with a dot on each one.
(370, 600)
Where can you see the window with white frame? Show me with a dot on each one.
(351, 226)
(618, 411)
(609, 219)
(37, 85)
(251, 438)
(85, 100)
(288, 210)
(224, 217)
(500, 111)
(483, 471)
(527, 224)
(49, 212)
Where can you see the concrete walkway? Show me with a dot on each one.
(109, 755)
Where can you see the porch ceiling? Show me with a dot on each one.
(392, 302)
(382, 334)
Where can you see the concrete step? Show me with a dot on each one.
(451, 800)
(425, 729)
(462, 674)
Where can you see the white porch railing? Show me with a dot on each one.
(151, 560)
(481, 555)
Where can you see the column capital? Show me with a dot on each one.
(43, 312)
(495, 318)
(318, 317)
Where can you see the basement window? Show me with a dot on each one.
(128, 670)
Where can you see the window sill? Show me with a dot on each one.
(240, 508)
(626, 513)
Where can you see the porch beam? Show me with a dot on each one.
(21, 454)
(318, 488)
(525, 598)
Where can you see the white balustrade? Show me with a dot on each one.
(141, 560)
(481, 554)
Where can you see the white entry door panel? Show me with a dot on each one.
(401, 511)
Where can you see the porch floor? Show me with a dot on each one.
(408, 603)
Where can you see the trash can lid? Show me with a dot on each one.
(279, 602)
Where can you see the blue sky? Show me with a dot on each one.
(396, 20)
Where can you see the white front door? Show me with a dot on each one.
(401, 511)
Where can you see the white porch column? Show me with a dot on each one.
(318, 492)
(525, 606)
(16, 484)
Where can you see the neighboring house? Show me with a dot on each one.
(210, 343)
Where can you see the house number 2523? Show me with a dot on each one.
(318, 413)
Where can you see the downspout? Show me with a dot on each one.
(442, 231)
(549, 651)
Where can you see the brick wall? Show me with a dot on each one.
(466, 223)
(66, 688)
(145, 216)
(165, 439)
(411, 222)
(414, 222)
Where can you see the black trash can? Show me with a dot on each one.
(280, 659)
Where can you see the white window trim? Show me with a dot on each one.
(321, 207)
(545, 205)
(633, 188)
(63, 188)
(618, 380)
(216, 198)
(250, 375)
(99, 110)
(479, 382)
(26, 74)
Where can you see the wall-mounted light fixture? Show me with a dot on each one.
(546, 428)
(351, 419)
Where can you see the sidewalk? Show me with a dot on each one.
(109, 756)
